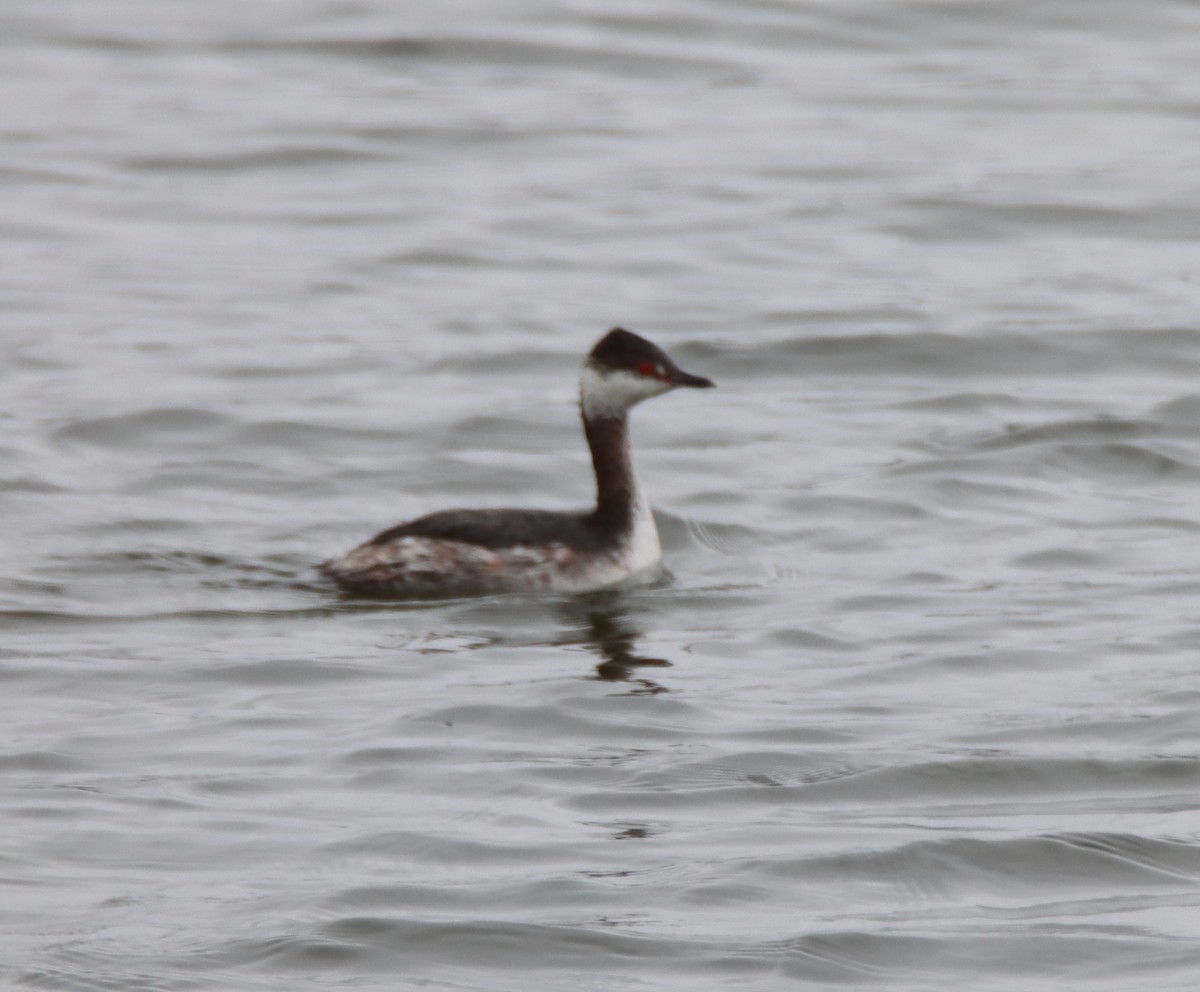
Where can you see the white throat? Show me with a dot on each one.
(611, 394)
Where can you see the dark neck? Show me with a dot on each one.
(616, 489)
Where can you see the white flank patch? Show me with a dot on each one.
(636, 559)
(611, 394)
(644, 549)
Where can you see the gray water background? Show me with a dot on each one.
(918, 706)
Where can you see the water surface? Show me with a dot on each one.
(916, 706)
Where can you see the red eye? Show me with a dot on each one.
(647, 369)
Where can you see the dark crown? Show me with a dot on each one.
(622, 349)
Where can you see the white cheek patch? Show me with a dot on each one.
(611, 394)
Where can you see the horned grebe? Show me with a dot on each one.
(484, 551)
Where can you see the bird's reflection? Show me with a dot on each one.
(609, 631)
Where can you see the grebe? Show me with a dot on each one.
(458, 552)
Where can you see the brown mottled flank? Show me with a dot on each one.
(432, 566)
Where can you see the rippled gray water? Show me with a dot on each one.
(917, 708)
